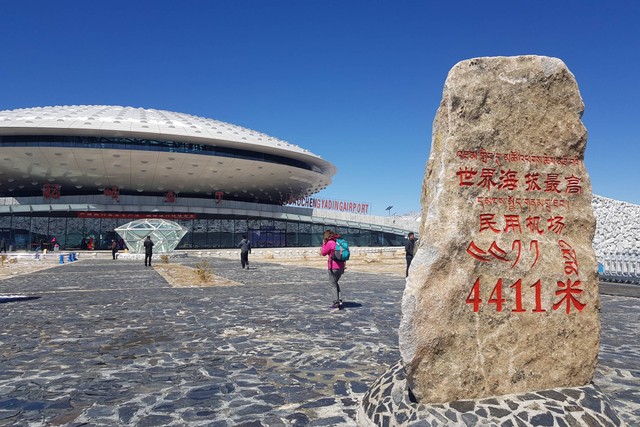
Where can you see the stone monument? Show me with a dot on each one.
(502, 294)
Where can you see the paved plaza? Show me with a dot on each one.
(112, 343)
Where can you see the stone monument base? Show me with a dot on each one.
(388, 403)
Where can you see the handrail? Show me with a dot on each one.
(620, 267)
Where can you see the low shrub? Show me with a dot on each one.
(204, 271)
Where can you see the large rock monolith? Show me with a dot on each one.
(502, 295)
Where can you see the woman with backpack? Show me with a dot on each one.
(334, 265)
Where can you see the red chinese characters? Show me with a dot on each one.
(507, 179)
(487, 222)
(466, 176)
(170, 197)
(573, 185)
(567, 291)
(532, 211)
(486, 179)
(551, 183)
(113, 192)
(531, 180)
(556, 224)
(532, 224)
(51, 191)
(512, 224)
(219, 195)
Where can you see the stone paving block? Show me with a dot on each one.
(115, 332)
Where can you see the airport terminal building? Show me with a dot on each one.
(79, 172)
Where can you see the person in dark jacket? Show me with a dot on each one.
(245, 250)
(148, 250)
(114, 248)
(409, 249)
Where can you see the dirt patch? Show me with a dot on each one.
(20, 267)
(181, 276)
(391, 264)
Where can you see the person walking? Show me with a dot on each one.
(3, 246)
(148, 251)
(114, 248)
(245, 250)
(409, 249)
(335, 268)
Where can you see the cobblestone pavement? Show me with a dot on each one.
(111, 343)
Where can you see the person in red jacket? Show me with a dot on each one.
(335, 268)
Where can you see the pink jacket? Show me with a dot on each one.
(328, 249)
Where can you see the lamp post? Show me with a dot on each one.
(389, 209)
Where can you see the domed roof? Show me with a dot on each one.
(42, 136)
(102, 120)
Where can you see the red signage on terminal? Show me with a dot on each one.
(135, 215)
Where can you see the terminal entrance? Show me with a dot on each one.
(267, 237)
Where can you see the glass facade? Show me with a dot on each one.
(25, 232)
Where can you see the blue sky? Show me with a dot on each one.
(356, 82)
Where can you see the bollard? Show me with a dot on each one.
(61, 259)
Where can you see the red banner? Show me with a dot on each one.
(135, 215)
